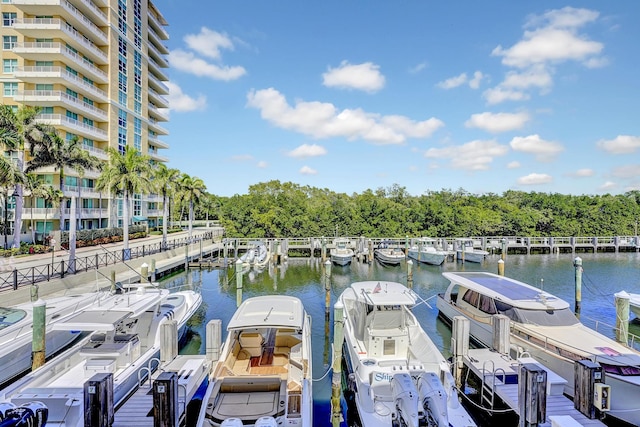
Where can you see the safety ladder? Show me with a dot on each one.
(488, 386)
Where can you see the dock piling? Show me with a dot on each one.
(336, 380)
(501, 334)
(168, 341)
(532, 395)
(214, 339)
(239, 272)
(501, 267)
(98, 400)
(622, 317)
(327, 287)
(409, 274)
(460, 329)
(165, 400)
(577, 264)
(38, 349)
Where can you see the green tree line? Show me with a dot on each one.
(275, 209)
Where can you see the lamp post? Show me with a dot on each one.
(6, 219)
(52, 242)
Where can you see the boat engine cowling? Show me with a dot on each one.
(433, 399)
(266, 422)
(4, 408)
(405, 396)
(31, 414)
(232, 422)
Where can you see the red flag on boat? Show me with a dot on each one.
(377, 289)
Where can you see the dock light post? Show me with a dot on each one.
(52, 243)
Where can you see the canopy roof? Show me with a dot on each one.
(378, 292)
(92, 320)
(269, 311)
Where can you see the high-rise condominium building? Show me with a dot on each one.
(96, 68)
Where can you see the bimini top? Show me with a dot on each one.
(268, 311)
(510, 291)
(377, 292)
(92, 320)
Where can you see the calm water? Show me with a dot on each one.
(603, 276)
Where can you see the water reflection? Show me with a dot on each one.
(603, 276)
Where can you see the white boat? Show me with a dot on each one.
(426, 250)
(124, 340)
(16, 326)
(263, 376)
(543, 326)
(395, 372)
(256, 256)
(634, 304)
(388, 255)
(467, 252)
(341, 253)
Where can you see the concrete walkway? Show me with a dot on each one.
(100, 278)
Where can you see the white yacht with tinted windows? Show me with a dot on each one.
(396, 374)
(544, 326)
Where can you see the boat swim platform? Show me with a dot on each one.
(559, 407)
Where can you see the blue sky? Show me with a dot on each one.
(486, 96)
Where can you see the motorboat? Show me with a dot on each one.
(634, 304)
(341, 254)
(543, 326)
(388, 255)
(256, 256)
(467, 252)
(16, 327)
(426, 250)
(395, 373)
(123, 339)
(263, 376)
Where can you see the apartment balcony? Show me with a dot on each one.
(75, 126)
(40, 213)
(84, 192)
(154, 141)
(52, 98)
(87, 213)
(154, 213)
(156, 41)
(85, 15)
(157, 63)
(34, 27)
(152, 198)
(157, 114)
(157, 99)
(59, 75)
(101, 154)
(157, 85)
(155, 156)
(157, 72)
(156, 127)
(157, 26)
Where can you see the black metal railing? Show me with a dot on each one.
(17, 277)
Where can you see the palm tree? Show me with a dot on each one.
(62, 153)
(19, 130)
(165, 180)
(35, 188)
(53, 196)
(193, 190)
(127, 173)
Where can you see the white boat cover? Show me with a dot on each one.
(92, 320)
(269, 311)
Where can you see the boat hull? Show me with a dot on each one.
(431, 258)
(389, 257)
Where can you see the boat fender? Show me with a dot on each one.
(433, 399)
(4, 408)
(405, 396)
(31, 414)
(266, 422)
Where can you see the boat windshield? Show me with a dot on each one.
(10, 316)
(561, 317)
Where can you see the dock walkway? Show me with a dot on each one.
(495, 368)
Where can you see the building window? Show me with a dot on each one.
(122, 98)
(72, 115)
(87, 121)
(8, 18)
(87, 100)
(44, 87)
(9, 65)
(46, 110)
(72, 71)
(122, 82)
(10, 88)
(40, 64)
(72, 93)
(9, 42)
(122, 118)
(137, 205)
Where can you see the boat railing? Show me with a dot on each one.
(633, 341)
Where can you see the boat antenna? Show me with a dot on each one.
(268, 314)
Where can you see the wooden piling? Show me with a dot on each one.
(577, 264)
(532, 395)
(113, 281)
(622, 317)
(153, 269)
(501, 334)
(38, 350)
(460, 329)
(165, 400)
(327, 287)
(409, 274)
(336, 380)
(214, 339)
(168, 341)
(501, 267)
(144, 272)
(239, 272)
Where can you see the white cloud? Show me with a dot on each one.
(242, 158)
(262, 164)
(498, 122)
(621, 144)
(415, 70)
(475, 155)
(189, 63)
(452, 82)
(533, 77)
(365, 77)
(306, 170)
(626, 171)
(306, 150)
(208, 43)
(535, 179)
(497, 95)
(609, 185)
(582, 173)
(533, 144)
(474, 83)
(180, 101)
(323, 120)
(513, 165)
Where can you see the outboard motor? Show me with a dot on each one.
(4, 408)
(266, 422)
(433, 399)
(31, 414)
(232, 422)
(405, 396)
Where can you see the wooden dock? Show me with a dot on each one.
(494, 370)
